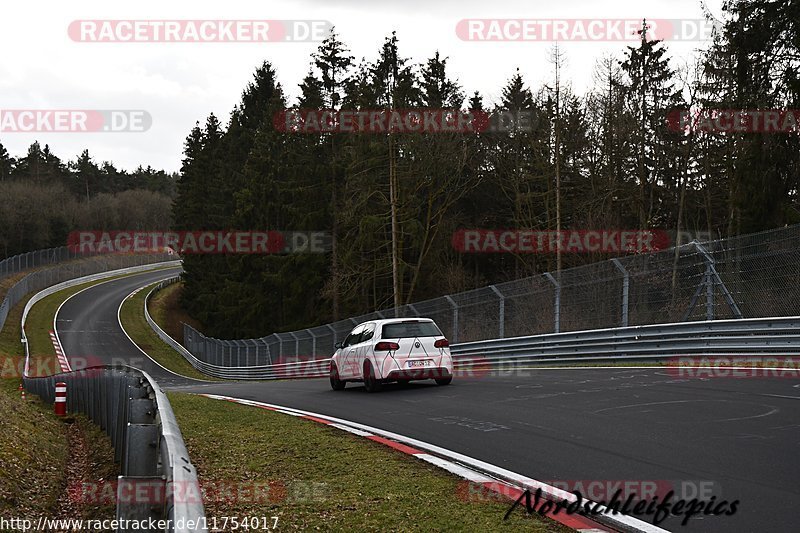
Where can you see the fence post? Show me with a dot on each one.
(625, 288)
(557, 303)
(313, 344)
(455, 318)
(502, 311)
(712, 277)
(709, 294)
(333, 330)
(296, 344)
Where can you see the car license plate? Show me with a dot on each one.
(414, 364)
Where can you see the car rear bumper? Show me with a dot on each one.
(419, 373)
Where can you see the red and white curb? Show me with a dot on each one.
(62, 359)
(479, 475)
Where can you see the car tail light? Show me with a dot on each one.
(441, 343)
(386, 346)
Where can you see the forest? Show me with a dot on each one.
(604, 159)
(44, 198)
(392, 202)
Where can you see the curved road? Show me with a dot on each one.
(733, 439)
(90, 332)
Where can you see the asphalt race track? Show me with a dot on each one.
(90, 332)
(735, 439)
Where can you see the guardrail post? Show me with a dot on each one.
(501, 312)
(454, 338)
(626, 279)
(557, 303)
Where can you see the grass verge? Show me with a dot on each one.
(321, 478)
(40, 323)
(38, 326)
(166, 310)
(33, 455)
(43, 459)
(132, 317)
(41, 456)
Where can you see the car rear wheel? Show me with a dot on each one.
(444, 381)
(336, 383)
(371, 383)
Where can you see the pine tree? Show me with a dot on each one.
(6, 164)
(87, 177)
(650, 96)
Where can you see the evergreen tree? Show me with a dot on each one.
(650, 96)
(6, 164)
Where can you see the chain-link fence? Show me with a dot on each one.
(749, 276)
(50, 256)
(36, 281)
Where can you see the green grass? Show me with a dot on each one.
(39, 324)
(325, 479)
(166, 310)
(12, 353)
(40, 455)
(33, 454)
(133, 320)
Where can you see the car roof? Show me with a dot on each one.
(383, 321)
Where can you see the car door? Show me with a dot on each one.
(347, 370)
(364, 346)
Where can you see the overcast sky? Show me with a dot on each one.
(180, 83)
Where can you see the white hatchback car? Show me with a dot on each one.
(401, 350)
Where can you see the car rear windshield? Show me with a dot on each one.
(399, 330)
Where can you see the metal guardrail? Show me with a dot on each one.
(750, 337)
(747, 276)
(128, 404)
(307, 369)
(48, 277)
(134, 412)
(52, 289)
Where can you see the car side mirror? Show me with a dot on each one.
(338, 345)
